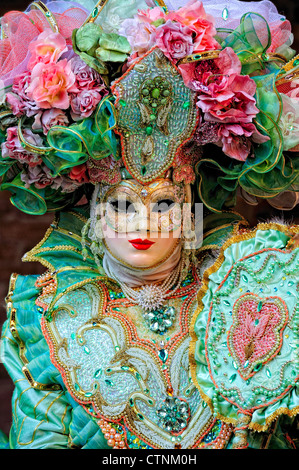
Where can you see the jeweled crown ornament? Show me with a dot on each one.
(157, 114)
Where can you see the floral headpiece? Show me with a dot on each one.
(206, 90)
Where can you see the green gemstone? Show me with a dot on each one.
(232, 378)
(186, 104)
(145, 92)
(296, 62)
(163, 355)
(156, 93)
(95, 11)
(122, 103)
(166, 93)
(149, 130)
(260, 305)
(152, 117)
(98, 374)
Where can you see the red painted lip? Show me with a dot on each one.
(141, 244)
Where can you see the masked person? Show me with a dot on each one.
(163, 320)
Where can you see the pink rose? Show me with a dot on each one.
(213, 77)
(84, 103)
(236, 140)
(51, 84)
(40, 176)
(194, 16)
(174, 40)
(18, 100)
(237, 105)
(47, 48)
(151, 15)
(49, 118)
(78, 173)
(16, 104)
(141, 35)
(86, 77)
(12, 148)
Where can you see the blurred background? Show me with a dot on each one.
(20, 232)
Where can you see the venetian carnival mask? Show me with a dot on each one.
(131, 207)
(142, 225)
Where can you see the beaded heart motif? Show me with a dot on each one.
(255, 336)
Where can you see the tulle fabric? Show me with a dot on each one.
(19, 29)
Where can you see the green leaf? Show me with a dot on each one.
(87, 36)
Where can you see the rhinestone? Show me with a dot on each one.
(94, 12)
(143, 192)
(225, 14)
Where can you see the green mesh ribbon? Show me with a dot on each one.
(92, 137)
(269, 172)
(250, 41)
(34, 201)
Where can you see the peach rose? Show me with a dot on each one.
(51, 84)
(47, 48)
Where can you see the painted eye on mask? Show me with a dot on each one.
(123, 206)
(163, 206)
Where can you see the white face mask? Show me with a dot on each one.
(131, 207)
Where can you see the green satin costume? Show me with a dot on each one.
(48, 412)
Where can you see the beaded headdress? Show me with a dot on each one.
(205, 90)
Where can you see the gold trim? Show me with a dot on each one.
(162, 5)
(207, 55)
(236, 238)
(22, 347)
(47, 13)
(38, 249)
(288, 66)
(95, 12)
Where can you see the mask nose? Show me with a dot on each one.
(140, 220)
